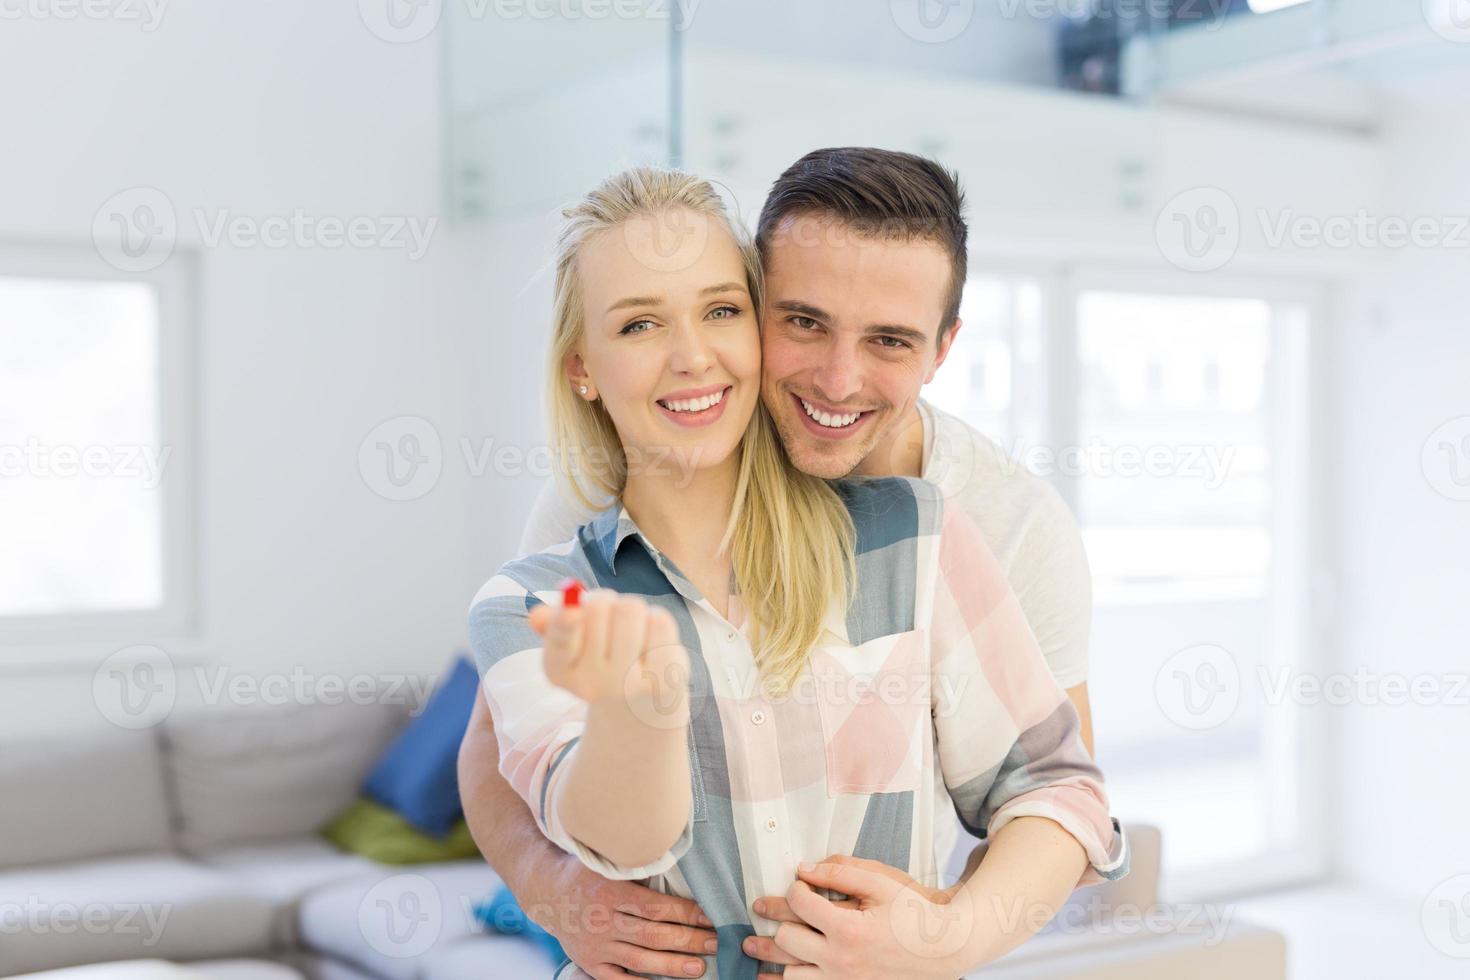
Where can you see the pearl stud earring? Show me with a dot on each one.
(582, 389)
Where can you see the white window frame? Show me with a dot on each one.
(1309, 858)
(173, 282)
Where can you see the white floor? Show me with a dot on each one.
(1343, 933)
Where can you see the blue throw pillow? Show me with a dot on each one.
(418, 777)
(502, 914)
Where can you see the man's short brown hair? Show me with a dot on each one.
(881, 193)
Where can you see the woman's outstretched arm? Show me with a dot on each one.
(592, 736)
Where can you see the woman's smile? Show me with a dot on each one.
(695, 407)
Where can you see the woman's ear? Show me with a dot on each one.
(581, 381)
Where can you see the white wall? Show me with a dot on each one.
(1404, 370)
(262, 109)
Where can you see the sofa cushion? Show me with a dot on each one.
(479, 957)
(45, 817)
(374, 831)
(386, 923)
(418, 775)
(1236, 950)
(285, 871)
(157, 906)
(264, 773)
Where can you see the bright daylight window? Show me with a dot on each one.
(82, 456)
(1177, 427)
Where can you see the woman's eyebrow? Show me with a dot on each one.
(724, 287)
(636, 301)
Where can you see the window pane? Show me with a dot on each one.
(1191, 429)
(994, 376)
(1174, 429)
(81, 460)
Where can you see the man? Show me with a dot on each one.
(865, 261)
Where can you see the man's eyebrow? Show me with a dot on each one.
(723, 287)
(804, 309)
(913, 336)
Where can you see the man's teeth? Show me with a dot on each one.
(694, 404)
(827, 419)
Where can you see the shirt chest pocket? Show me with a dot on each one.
(874, 700)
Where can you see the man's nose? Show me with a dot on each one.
(839, 377)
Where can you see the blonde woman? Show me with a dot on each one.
(770, 668)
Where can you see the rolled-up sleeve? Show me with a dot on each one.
(1009, 740)
(537, 724)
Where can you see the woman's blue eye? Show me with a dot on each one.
(633, 327)
(727, 311)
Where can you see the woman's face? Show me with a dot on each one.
(672, 344)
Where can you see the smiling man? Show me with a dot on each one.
(864, 253)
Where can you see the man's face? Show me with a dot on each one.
(848, 338)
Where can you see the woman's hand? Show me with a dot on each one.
(891, 926)
(614, 648)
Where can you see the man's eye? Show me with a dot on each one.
(804, 322)
(892, 343)
(637, 326)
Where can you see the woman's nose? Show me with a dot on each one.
(692, 353)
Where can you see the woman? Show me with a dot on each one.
(771, 668)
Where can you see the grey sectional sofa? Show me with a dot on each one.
(195, 840)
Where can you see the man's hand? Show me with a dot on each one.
(614, 929)
(890, 926)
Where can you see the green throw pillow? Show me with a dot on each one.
(377, 832)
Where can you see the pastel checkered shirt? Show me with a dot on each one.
(927, 692)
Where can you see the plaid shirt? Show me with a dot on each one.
(927, 692)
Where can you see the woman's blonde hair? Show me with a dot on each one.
(790, 537)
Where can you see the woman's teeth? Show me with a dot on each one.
(695, 404)
(829, 420)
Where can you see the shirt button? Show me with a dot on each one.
(730, 636)
(759, 717)
(771, 824)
